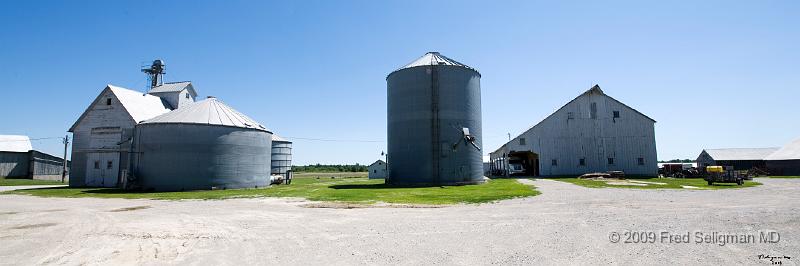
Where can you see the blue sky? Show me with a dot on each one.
(713, 74)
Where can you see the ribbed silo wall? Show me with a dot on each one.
(427, 108)
(174, 157)
(281, 157)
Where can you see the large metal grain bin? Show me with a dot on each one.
(434, 123)
(281, 155)
(203, 145)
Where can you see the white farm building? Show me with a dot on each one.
(102, 133)
(377, 170)
(592, 133)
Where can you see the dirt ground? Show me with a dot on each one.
(566, 224)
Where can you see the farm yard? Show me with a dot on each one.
(557, 226)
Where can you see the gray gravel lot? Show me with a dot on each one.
(566, 224)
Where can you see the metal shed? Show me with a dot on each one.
(786, 160)
(434, 123)
(203, 145)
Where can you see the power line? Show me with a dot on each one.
(335, 140)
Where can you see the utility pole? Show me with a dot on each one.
(64, 167)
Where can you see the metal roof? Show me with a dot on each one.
(174, 87)
(140, 106)
(789, 152)
(276, 138)
(210, 112)
(740, 154)
(433, 58)
(15, 143)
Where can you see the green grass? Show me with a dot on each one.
(670, 183)
(787, 176)
(27, 182)
(350, 190)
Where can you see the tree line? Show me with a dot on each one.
(329, 168)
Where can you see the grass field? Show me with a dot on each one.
(350, 190)
(328, 175)
(27, 182)
(668, 183)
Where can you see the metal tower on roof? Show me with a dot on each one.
(155, 73)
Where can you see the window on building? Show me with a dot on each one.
(96, 164)
(616, 114)
(640, 161)
(554, 162)
(570, 115)
(374, 171)
(593, 110)
(610, 160)
(187, 96)
(108, 101)
(582, 162)
(521, 141)
(109, 164)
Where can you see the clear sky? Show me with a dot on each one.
(712, 73)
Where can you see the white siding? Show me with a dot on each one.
(626, 139)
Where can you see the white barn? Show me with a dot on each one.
(592, 133)
(377, 170)
(102, 134)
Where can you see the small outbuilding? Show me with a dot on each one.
(739, 158)
(785, 161)
(377, 170)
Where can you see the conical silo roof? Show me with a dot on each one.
(209, 112)
(276, 138)
(433, 58)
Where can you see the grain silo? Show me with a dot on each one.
(281, 155)
(434, 123)
(203, 145)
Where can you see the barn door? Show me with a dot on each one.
(110, 169)
(94, 175)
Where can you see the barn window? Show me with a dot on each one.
(570, 115)
(582, 162)
(554, 162)
(108, 101)
(521, 141)
(610, 160)
(96, 164)
(640, 161)
(109, 164)
(616, 114)
(374, 171)
(187, 96)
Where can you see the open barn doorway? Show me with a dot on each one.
(523, 163)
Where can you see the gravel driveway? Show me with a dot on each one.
(566, 224)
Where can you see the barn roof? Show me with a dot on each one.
(139, 106)
(210, 112)
(15, 143)
(174, 87)
(740, 154)
(789, 152)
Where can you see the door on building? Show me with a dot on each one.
(102, 169)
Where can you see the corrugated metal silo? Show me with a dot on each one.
(434, 123)
(281, 155)
(203, 145)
